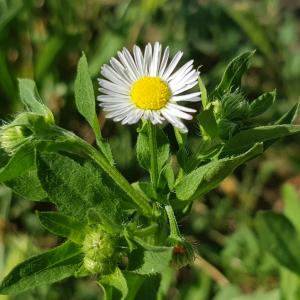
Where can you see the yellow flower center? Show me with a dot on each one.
(150, 93)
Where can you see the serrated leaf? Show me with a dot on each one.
(262, 104)
(246, 138)
(279, 237)
(62, 225)
(74, 188)
(22, 160)
(31, 98)
(48, 267)
(231, 79)
(208, 176)
(116, 281)
(85, 103)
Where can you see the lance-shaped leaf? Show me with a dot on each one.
(231, 79)
(64, 226)
(208, 176)
(113, 282)
(85, 102)
(247, 138)
(31, 98)
(279, 237)
(262, 104)
(22, 160)
(48, 267)
(76, 188)
(287, 118)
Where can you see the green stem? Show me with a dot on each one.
(174, 230)
(112, 171)
(153, 154)
(147, 231)
(121, 181)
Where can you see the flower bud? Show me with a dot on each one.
(226, 128)
(13, 136)
(99, 250)
(183, 251)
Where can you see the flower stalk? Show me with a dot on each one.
(153, 154)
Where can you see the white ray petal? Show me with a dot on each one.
(138, 57)
(153, 68)
(164, 62)
(172, 65)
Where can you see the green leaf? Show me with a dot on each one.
(262, 104)
(116, 281)
(62, 225)
(291, 202)
(246, 138)
(208, 124)
(22, 160)
(48, 267)
(143, 147)
(151, 261)
(279, 237)
(31, 98)
(85, 102)
(204, 99)
(28, 186)
(74, 188)
(232, 76)
(208, 176)
(287, 118)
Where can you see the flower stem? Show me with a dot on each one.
(121, 181)
(174, 230)
(153, 154)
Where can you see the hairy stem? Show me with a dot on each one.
(153, 154)
(174, 230)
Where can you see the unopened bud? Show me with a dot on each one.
(99, 252)
(183, 252)
(13, 136)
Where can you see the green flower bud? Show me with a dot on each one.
(226, 128)
(100, 255)
(234, 106)
(183, 251)
(13, 136)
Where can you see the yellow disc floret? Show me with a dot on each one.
(150, 93)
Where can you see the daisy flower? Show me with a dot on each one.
(145, 86)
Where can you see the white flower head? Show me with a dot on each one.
(145, 86)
